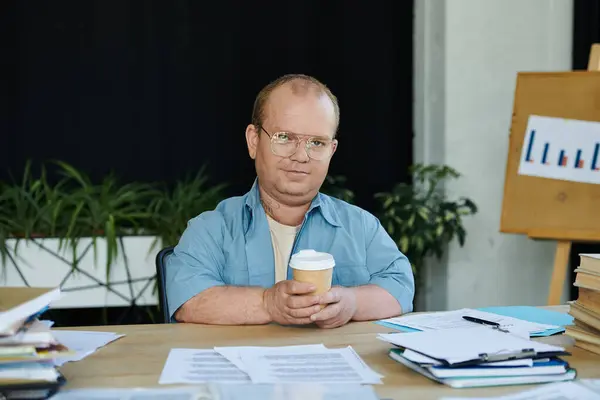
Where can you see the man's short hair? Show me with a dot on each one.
(301, 84)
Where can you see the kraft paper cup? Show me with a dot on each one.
(310, 266)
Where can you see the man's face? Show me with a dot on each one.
(296, 178)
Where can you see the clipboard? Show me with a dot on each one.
(37, 390)
(519, 355)
(484, 357)
(463, 347)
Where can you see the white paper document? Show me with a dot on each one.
(226, 392)
(465, 344)
(83, 343)
(316, 366)
(233, 353)
(454, 319)
(251, 364)
(579, 390)
(200, 366)
(559, 148)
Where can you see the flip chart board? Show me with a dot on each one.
(552, 184)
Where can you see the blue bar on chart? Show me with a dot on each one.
(595, 166)
(545, 155)
(578, 160)
(530, 146)
(562, 159)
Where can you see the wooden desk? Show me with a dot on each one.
(138, 358)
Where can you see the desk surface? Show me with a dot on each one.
(138, 358)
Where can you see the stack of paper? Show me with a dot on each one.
(27, 346)
(586, 309)
(479, 356)
(287, 364)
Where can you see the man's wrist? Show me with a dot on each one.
(353, 292)
(265, 304)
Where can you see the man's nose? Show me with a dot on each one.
(301, 153)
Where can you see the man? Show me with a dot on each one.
(231, 264)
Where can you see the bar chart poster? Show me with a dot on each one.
(564, 149)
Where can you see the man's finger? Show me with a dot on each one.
(302, 301)
(303, 312)
(329, 324)
(327, 313)
(332, 296)
(295, 287)
(299, 321)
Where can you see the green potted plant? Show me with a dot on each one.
(97, 236)
(419, 216)
(108, 210)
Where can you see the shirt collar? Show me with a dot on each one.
(321, 203)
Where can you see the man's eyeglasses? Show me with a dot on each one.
(285, 144)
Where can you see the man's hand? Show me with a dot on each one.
(288, 303)
(341, 307)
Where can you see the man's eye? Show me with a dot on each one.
(283, 137)
(317, 143)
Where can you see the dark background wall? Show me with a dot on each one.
(155, 89)
(586, 31)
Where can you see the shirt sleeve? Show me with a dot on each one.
(389, 268)
(196, 262)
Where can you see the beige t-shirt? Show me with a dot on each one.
(282, 237)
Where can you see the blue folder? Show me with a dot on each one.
(526, 313)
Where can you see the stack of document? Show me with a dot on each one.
(479, 356)
(27, 346)
(267, 365)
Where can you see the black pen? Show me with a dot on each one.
(480, 321)
(495, 325)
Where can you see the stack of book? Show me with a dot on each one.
(586, 309)
(27, 345)
(479, 357)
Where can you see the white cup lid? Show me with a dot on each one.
(311, 260)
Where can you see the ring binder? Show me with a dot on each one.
(525, 353)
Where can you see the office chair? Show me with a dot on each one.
(161, 281)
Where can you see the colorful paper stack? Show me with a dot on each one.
(27, 346)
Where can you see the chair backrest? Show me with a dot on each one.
(161, 282)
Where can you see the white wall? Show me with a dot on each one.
(467, 55)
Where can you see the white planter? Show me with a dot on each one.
(42, 264)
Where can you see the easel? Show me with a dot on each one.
(545, 209)
(563, 247)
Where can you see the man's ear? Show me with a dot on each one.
(334, 144)
(252, 140)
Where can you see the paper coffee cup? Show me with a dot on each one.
(311, 266)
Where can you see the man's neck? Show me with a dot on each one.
(282, 213)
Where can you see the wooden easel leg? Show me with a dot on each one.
(559, 273)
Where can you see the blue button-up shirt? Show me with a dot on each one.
(232, 246)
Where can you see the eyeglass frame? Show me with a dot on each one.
(305, 138)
